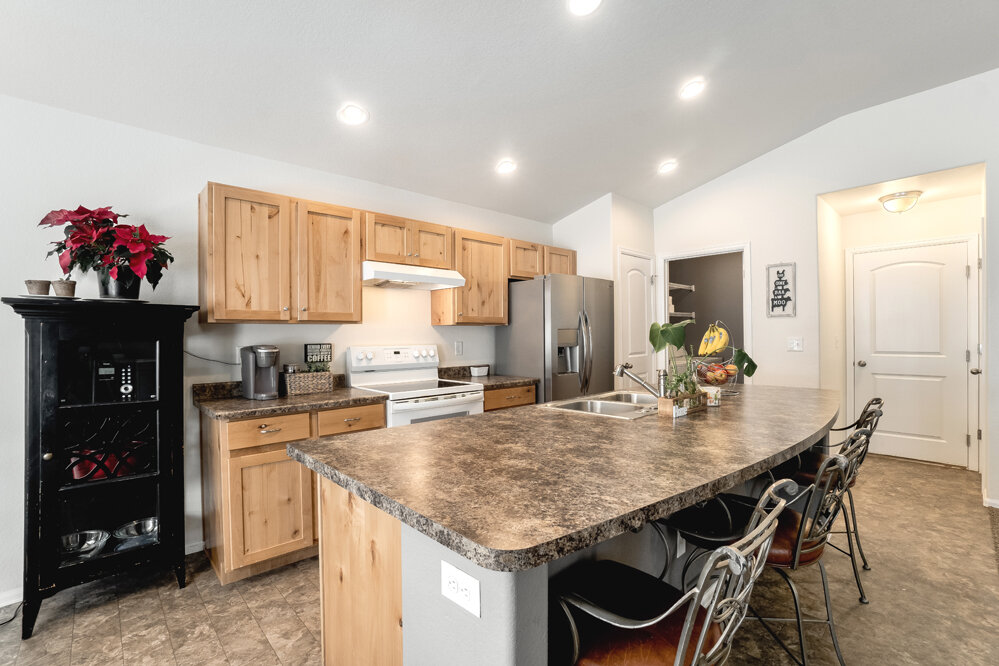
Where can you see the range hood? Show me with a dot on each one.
(383, 274)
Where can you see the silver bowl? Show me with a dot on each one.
(84, 544)
(146, 528)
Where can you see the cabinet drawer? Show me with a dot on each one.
(267, 430)
(351, 419)
(510, 397)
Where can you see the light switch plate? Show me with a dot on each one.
(460, 588)
(795, 343)
(459, 347)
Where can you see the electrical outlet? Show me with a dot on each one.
(795, 343)
(239, 359)
(459, 347)
(460, 588)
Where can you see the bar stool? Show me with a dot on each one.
(631, 617)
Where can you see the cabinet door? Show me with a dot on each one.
(387, 238)
(526, 259)
(432, 245)
(250, 255)
(329, 242)
(559, 260)
(270, 506)
(484, 262)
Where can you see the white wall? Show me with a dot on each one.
(55, 159)
(588, 231)
(771, 203)
(832, 303)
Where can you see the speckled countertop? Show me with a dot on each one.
(490, 382)
(243, 408)
(514, 489)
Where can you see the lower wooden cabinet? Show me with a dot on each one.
(508, 397)
(259, 505)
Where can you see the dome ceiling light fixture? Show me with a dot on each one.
(583, 7)
(899, 202)
(668, 166)
(506, 166)
(693, 88)
(352, 114)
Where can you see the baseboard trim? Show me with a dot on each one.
(195, 547)
(8, 597)
(988, 501)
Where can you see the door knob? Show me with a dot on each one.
(976, 371)
(46, 456)
(862, 364)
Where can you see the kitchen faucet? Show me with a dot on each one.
(622, 369)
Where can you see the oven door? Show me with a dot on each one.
(434, 408)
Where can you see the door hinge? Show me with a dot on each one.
(967, 355)
(979, 263)
(979, 433)
(652, 279)
(967, 440)
(967, 271)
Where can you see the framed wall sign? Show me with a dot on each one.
(782, 294)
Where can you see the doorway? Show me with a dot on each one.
(900, 297)
(914, 316)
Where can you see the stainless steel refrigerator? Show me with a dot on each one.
(561, 330)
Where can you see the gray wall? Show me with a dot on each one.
(718, 278)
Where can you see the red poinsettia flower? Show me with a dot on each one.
(57, 218)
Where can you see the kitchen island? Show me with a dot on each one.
(502, 497)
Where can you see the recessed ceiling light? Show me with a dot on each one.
(693, 88)
(583, 7)
(667, 166)
(506, 166)
(352, 114)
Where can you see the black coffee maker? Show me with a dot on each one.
(260, 371)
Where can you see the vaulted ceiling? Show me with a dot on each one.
(585, 105)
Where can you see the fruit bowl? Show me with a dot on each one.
(717, 373)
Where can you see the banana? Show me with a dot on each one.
(715, 339)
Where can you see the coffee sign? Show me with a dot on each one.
(782, 294)
(319, 352)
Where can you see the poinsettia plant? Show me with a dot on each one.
(94, 240)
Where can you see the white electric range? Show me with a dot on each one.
(408, 376)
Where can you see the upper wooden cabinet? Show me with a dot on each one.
(327, 263)
(526, 259)
(245, 255)
(398, 240)
(264, 257)
(560, 260)
(483, 260)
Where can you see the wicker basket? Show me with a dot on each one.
(298, 383)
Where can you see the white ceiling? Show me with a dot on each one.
(585, 105)
(936, 186)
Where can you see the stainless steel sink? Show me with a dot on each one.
(613, 408)
(627, 396)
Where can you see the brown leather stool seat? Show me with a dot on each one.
(811, 461)
(786, 538)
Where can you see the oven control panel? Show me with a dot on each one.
(368, 359)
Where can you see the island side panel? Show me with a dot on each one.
(360, 580)
(512, 629)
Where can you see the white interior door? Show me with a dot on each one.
(910, 313)
(636, 312)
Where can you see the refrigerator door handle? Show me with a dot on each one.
(583, 349)
(588, 350)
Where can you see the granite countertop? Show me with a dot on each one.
(491, 382)
(514, 489)
(243, 408)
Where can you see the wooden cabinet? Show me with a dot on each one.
(245, 254)
(484, 261)
(327, 265)
(526, 259)
(259, 505)
(398, 240)
(560, 260)
(508, 397)
(530, 259)
(270, 506)
(264, 257)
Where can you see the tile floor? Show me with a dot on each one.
(934, 593)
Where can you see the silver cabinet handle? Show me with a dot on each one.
(351, 420)
(416, 254)
(409, 254)
(461, 314)
(47, 456)
(285, 309)
(976, 371)
(263, 430)
(862, 364)
(304, 309)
